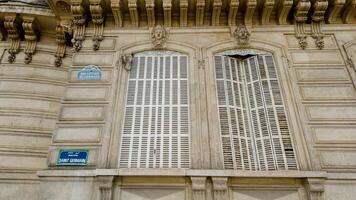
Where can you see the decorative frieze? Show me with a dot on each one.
(159, 36)
(315, 188)
(14, 29)
(220, 188)
(198, 188)
(79, 21)
(97, 15)
(300, 17)
(31, 36)
(242, 35)
(319, 9)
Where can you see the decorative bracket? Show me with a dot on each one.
(105, 186)
(320, 7)
(126, 61)
(301, 16)
(13, 26)
(242, 35)
(220, 188)
(198, 187)
(31, 36)
(79, 20)
(98, 21)
(3, 33)
(159, 36)
(315, 188)
(61, 45)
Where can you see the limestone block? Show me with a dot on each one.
(340, 190)
(22, 161)
(331, 112)
(13, 103)
(19, 191)
(99, 59)
(78, 134)
(82, 113)
(50, 73)
(334, 134)
(35, 88)
(326, 92)
(23, 139)
(152, 194)
(326, 57)
(31, 122)
(338, 159)
(264, 194)
(322, 74)
(87, 93)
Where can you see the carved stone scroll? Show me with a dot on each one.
(242, 35)
(126, 61)
(267, 9)
(334, 9)
(300, 17)
(150, 9)
(250, 9)
(167, 10)
(98, 21)
(183, 4)
(132, 4)
(198, 187)
(215, 21)
(31, 36)
(283, 9)
(220, 188)
(233, 7)
(200, 12)
(159, 36)
(349, 14)
(13, 26)
(315, 188)
(320, 7)
(116, 10)
(79, 21)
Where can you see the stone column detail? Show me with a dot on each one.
(105, 186)
(220, 188)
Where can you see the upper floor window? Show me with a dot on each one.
(156, 121)
(252, 117)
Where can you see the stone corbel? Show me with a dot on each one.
(167, 10)
(233, 7)
(132, 5)
(183, 4)
(242, 35)
(283, 9)
(14, 29)
(216, 12)
(126, 61)
(199, 20)
(61, 45)
(250, 10)
(315, 188)
(350, 11)
(79, 21)
(150, 9)
(220, 188)
(2, 31)
(105, 184)
(159, 36)
(31, 36)
(267, 11)
(116, 10)
(319, 9)
(300, 17)
(198, 187)
(97, 15)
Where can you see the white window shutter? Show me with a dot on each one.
(252, 117)
(156, 122)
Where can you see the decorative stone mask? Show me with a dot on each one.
(159, 36)
(242, 35)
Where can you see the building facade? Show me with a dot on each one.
(185, 100)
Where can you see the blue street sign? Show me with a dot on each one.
(70, 157)
(89, 72)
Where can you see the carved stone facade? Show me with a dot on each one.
(54, 99)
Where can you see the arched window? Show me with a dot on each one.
(155, 132)
(253, 124)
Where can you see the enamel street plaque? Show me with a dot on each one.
(72, 157)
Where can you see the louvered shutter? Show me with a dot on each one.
(156, 123)
(253, 124)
